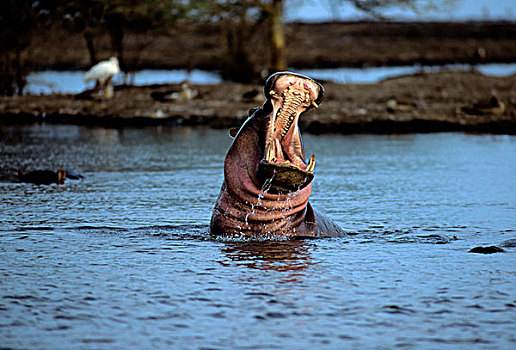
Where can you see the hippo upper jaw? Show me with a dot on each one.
(283, 164)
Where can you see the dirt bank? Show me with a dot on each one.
(415, 103)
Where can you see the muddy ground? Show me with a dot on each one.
(446, 101)
(416, 103)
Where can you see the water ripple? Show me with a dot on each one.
(123, 259)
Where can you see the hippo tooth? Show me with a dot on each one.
(311, 164)
(268, 153)
(315, 104)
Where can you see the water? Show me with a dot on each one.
(122, 258)
(47, 82)
(373, 75)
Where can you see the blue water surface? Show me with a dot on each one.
(122, 258)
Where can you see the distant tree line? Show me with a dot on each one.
(252, 34)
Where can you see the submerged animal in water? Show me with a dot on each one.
(43, 177)
(47, 177)
(267, 181)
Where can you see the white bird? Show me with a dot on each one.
(103, 73)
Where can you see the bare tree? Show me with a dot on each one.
(82, 16)
(246, 16)
(116, 17)
(17, 23)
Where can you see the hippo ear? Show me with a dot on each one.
(252, 110)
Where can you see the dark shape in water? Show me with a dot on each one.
(486, 250)
(43, 177)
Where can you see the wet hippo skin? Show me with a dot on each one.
(267, 180)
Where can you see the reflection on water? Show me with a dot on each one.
(122, 259)
(277, 256)
(102, 136)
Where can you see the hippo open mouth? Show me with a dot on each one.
(266, 184)
(283, 164)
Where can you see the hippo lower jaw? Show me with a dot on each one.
(285, 177)
(283, 164)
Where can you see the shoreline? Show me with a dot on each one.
(378, 127)
(425, 102)
(422, 102)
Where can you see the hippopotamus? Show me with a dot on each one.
(267, 180)
(43, 177)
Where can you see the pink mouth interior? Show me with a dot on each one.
(291, 96)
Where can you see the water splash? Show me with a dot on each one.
(267, 184)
